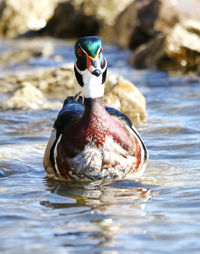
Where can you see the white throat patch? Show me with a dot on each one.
(93, 87)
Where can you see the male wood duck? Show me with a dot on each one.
(90, 141)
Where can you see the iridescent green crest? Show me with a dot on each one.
(89, 44)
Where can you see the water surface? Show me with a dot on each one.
(159, 213)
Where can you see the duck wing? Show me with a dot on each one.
(123, 118)
(71, 110)
(119, 115)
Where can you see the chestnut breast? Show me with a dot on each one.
(94, 127)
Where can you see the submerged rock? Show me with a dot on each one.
(19, 51)
(42, 88)
(25, 97)
(178, 50)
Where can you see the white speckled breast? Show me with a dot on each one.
(109, 161)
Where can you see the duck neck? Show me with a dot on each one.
(94, 106)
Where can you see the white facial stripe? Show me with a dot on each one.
(87, 53)
(82, 72)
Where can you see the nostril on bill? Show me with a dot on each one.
(96, 72)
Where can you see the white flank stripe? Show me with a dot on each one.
(55, 154)
(137, 136)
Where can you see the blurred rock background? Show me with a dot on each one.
(162, 34)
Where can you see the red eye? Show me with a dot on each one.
(101, 50)
(80, 52)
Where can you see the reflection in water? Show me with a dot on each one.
(100, 193)
(98, 205)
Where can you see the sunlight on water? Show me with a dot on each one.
(158, 213)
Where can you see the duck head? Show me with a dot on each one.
(90, 66)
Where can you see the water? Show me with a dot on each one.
(159, 213)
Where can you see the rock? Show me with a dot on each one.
(64, 18)
(71, 21)
(37, 90)
(183, 46)
(28, 97)
(19, 16)
(150, 54)
(135, 24)
(18, 51)
(125, 97)
(85, 17)
(178, 50)
(56, 82)
(25, 97)
(142, 20)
